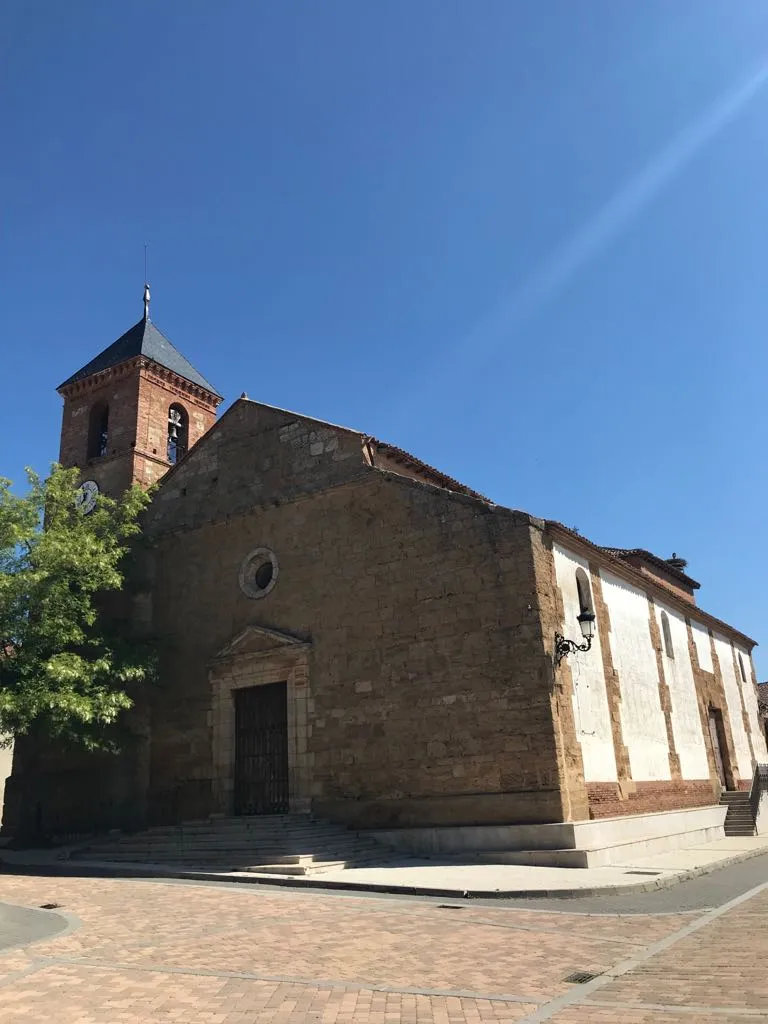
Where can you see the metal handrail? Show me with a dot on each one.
(759, 785)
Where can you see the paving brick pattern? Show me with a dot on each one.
(146, 952)
(721, 966)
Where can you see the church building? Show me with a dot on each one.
(348, 631)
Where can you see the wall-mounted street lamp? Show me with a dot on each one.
(565, 647)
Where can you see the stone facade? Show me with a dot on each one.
(413, 624)
(414, 603)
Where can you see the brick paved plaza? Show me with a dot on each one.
(146, 951)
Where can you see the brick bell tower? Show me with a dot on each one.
(133, 411)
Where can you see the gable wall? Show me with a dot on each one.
(256, 456)
(428, 694)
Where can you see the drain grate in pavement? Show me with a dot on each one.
(642, 872)
(580, 977)
(50, 906)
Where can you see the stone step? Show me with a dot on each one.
(302, 866)
(232, 832)
(253, 847)
(244, 856)
(286, 844)
(616, 854)
(235, 839)
(232, 835)
(294, 869)
(267, 821)
(243, 838)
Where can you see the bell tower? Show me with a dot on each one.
(134, 410)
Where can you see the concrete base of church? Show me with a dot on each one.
(475, 809)
(566, 844)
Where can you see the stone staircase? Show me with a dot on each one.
(739, 821)
(276, 844)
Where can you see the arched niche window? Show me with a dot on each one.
(178, 433)
(585, 593)
(741, 669)
(98, 430)
(667, 634)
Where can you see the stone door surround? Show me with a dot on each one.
(254, 657)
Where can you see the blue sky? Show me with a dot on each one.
(525, 239)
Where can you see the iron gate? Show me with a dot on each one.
(261, 749)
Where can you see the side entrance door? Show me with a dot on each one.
(261, 749)
(716, 732)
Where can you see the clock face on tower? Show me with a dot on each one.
(86, 495)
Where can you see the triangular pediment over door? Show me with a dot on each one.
(256, 640)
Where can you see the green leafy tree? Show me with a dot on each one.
(67, 660)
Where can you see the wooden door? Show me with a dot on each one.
(715, 732)
(261, 749)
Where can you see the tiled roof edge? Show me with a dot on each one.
(643, 582)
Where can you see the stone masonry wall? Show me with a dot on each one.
(429, 696)
(257, 456)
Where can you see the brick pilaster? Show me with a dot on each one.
(664, 695)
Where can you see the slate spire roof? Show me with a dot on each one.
(143, 339)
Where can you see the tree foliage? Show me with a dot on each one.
(67, 658)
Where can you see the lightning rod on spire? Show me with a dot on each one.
(146, 286)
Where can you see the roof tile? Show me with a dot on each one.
(143, 339)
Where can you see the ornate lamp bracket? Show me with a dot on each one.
(565, 647)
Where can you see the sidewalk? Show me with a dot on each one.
(436, 878)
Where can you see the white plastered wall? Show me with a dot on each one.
(6, 759)
(724, 653)
(686, 717)
(750, 703)
(634, 659)
(703, 648)
(590, 700)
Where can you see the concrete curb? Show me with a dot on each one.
(112, 869)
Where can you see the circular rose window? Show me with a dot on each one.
(258, 573)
